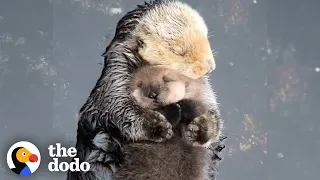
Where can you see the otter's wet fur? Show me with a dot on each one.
(168, 34)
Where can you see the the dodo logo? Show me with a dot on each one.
(23, 158)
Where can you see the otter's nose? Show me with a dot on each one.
(153, 92)
(211, 65)
(152, 95)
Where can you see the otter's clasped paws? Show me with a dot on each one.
(157, 128)
(202, 130)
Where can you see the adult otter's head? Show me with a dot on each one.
(168, 34)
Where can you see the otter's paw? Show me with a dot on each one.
(217, 147)
(202, 130)
(157, 128)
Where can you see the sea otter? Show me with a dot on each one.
(161, 33)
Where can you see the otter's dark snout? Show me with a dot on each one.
(152, 92)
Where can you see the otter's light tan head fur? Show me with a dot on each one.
(173, 35)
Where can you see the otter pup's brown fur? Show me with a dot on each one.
(170, 160)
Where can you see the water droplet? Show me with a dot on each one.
(280, 155)
(114, 11)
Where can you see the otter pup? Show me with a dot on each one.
(156, 87)
(179, 99)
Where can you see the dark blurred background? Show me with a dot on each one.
(267, 78)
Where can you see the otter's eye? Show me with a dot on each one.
(178, 51)
(24, 154)
(140, 43)
(166, 79)
(140, 84)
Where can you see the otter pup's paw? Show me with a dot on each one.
(202, 130)
(157, 128)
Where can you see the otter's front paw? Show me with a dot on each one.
(157, 128)
(202, 130)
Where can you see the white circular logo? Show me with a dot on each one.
(23, 158)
